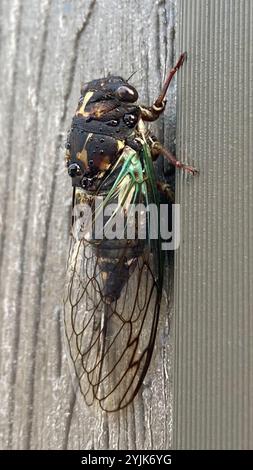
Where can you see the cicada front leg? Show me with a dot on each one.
(151, 113)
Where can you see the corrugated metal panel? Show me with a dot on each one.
(214, 265)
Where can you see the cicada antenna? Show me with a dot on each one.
(132, 74)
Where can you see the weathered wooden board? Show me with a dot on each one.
(47, 48)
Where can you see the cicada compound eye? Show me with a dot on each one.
(74, 170)
(126, 93)
(84, 88)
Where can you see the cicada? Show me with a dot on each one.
(114, 285)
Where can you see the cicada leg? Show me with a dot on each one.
(167, 190)
(158, 149)
(151, 113)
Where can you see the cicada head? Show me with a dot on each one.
(104, 118)
(110, 88)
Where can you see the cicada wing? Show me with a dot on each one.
(131, 323)
(110, 343)
(111, 313)
(83, 312)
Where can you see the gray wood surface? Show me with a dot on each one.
(47, 48)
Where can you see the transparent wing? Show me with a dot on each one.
(111, 313)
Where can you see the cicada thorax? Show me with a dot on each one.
(100, 128)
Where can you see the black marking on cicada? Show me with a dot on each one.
(114, 287)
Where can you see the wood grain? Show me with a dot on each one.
(47, 49)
